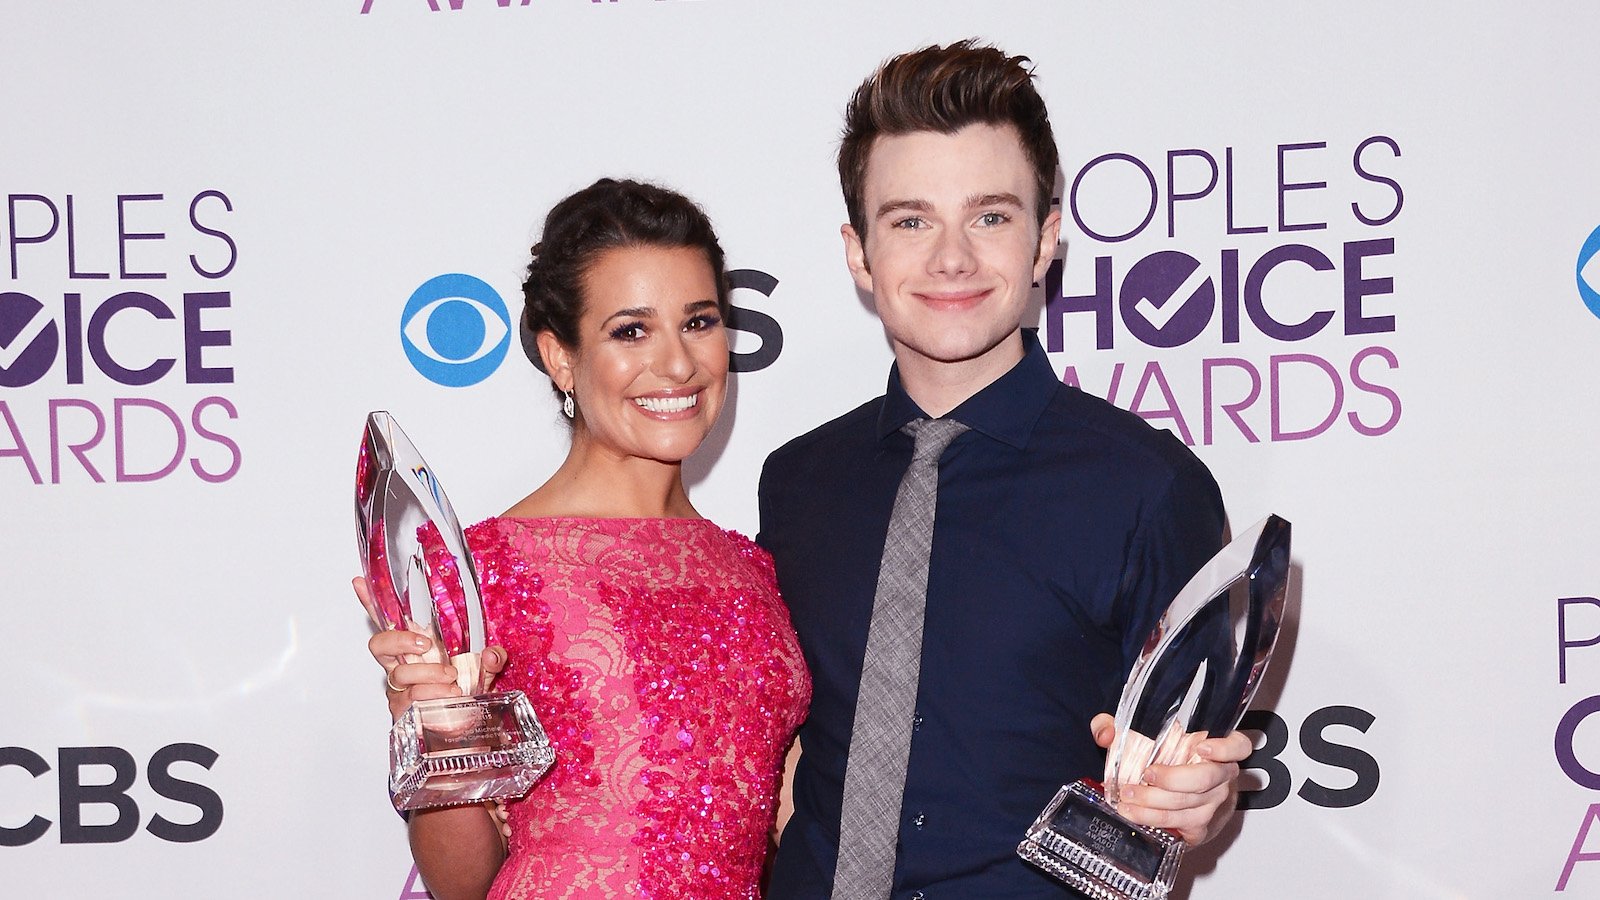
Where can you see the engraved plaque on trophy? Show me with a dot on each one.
(478, 746)
(1194, 679)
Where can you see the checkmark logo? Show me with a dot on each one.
(1167, 299)
(28, 340)
(1160, 313)
(11, 348)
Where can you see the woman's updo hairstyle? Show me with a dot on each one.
(606, 215)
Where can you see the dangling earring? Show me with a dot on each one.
(569, 408)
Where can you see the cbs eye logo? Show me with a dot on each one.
(1589, 272)
(455, 330)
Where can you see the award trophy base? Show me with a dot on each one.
(1080, 839)
(465, 750)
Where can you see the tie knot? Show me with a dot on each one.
(931, 436)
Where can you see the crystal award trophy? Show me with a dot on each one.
(1197, 673)
(479, 746)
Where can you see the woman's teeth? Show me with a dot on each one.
(667, 404)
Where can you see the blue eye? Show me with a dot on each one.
(1589, 272)
(455, 329)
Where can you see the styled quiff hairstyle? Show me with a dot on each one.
(945, 89)
(606, 215)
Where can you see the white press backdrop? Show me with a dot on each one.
(1370, 222)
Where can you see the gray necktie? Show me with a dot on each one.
(880, 738)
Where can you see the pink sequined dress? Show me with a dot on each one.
(662, 664)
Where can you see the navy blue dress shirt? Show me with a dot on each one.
(1064, 527)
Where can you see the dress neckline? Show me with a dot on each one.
(601, 520)
(610, 524)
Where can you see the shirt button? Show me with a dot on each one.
(920, 820)
(917, 895)
(916, 722)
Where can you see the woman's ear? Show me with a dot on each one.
(558, 359)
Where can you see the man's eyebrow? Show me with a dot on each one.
(1004, 198)
(1001, 198)
(890, 206)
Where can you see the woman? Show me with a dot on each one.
(652, 643)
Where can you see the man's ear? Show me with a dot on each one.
(855, 258)
(1049, 239)
(557, 357)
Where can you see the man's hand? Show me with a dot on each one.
(1195, 799)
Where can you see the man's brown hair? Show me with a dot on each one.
(945, 89)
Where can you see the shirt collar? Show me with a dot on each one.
(1005, 410)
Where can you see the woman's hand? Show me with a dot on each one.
(414, 667)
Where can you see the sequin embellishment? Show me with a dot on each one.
(664, 668)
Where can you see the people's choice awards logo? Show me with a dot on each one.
(457, 5)
(1277, 261)
(116, 336)
(455, 330)
(1589, 272)
(1578, 630)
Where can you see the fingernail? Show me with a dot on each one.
(419, 642)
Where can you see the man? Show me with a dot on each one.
(1061, 527)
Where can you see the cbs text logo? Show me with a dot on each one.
(90, 777)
